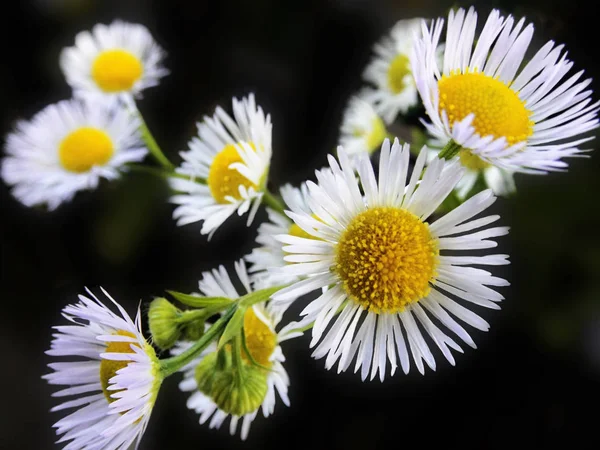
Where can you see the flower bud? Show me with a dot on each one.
(163, 322)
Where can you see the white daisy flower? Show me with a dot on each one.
(68, 147)
(362, 129)
(114, 379)
(390, 72)
(500, 181)
(227, 165)
(519, 120)
(263, 343)
(385, 268)
(116, 59)
(269, 254)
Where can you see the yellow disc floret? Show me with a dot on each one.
(109, 368)
(260, 339)
(85, 147)
(224, 181)
(116, 70)
(397, 72)
(472, 161)
(386, 258)
(497, 108)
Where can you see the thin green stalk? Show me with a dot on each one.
(162, 173)
(273, 202)
(171, 365)
(153, 146)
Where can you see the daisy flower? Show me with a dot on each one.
(263, 343)
(480, 100)
(384, 270)
(227, 165)
(116, 59)
(362, 129)
(113, 376)
(390, 72)
(68, 147)
(269, 254)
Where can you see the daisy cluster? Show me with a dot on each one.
(388, 274)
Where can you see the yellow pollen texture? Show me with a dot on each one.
(385, 259)
(224, 181)
(260, 340)
(397, 72)
(497, 108)
(84, 148)
(116, 70)
(109, 368)
(471, 161)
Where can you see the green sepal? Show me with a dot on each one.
(196, 301)
(239, 392)
(450, 150)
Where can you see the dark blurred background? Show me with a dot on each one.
(535, 378)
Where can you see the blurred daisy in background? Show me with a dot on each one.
(68, 147)
(113, 381)
(523, 120)
(269, 255)
(116, 59)
(263, 344)
(390, 71)
(227, 165)
(362, 130)
(384, 270)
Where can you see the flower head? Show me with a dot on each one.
(362, 129)
(390, 71)
(113, 60)
(227, 165)
(265, 359)
(523, 120)
(114, 379)
(68, 147)
(383, 269)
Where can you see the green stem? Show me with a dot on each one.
(450, 150)
(161, 173)
(153, 147)
(273, 202)
(171, 365)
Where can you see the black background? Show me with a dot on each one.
(535, 377)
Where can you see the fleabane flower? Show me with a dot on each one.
(362, 129)
(514, 114)
(269, 254)
(384, 275)
(113, 60)
(227, 165)
(68, 147)
(390, 71)
(265, 358)
(113, 376)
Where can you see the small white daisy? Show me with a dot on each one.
(262, 341)
(500, 181)
(68, 147)
(270, 253)
(362, 129)
(386, 270)
(116, 59)
(114, 379)
(227, 165)
(390, 72)
(520, 120)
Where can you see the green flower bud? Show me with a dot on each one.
(163, 322)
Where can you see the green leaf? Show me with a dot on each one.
(196, 301)
(233, 328)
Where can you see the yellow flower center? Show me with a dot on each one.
(497, 108)
(84, 148)
(224, 181)
(116, 70)
(397, 72)
(385, 259)
(471, 161)
(260, 340)
(109, 368)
